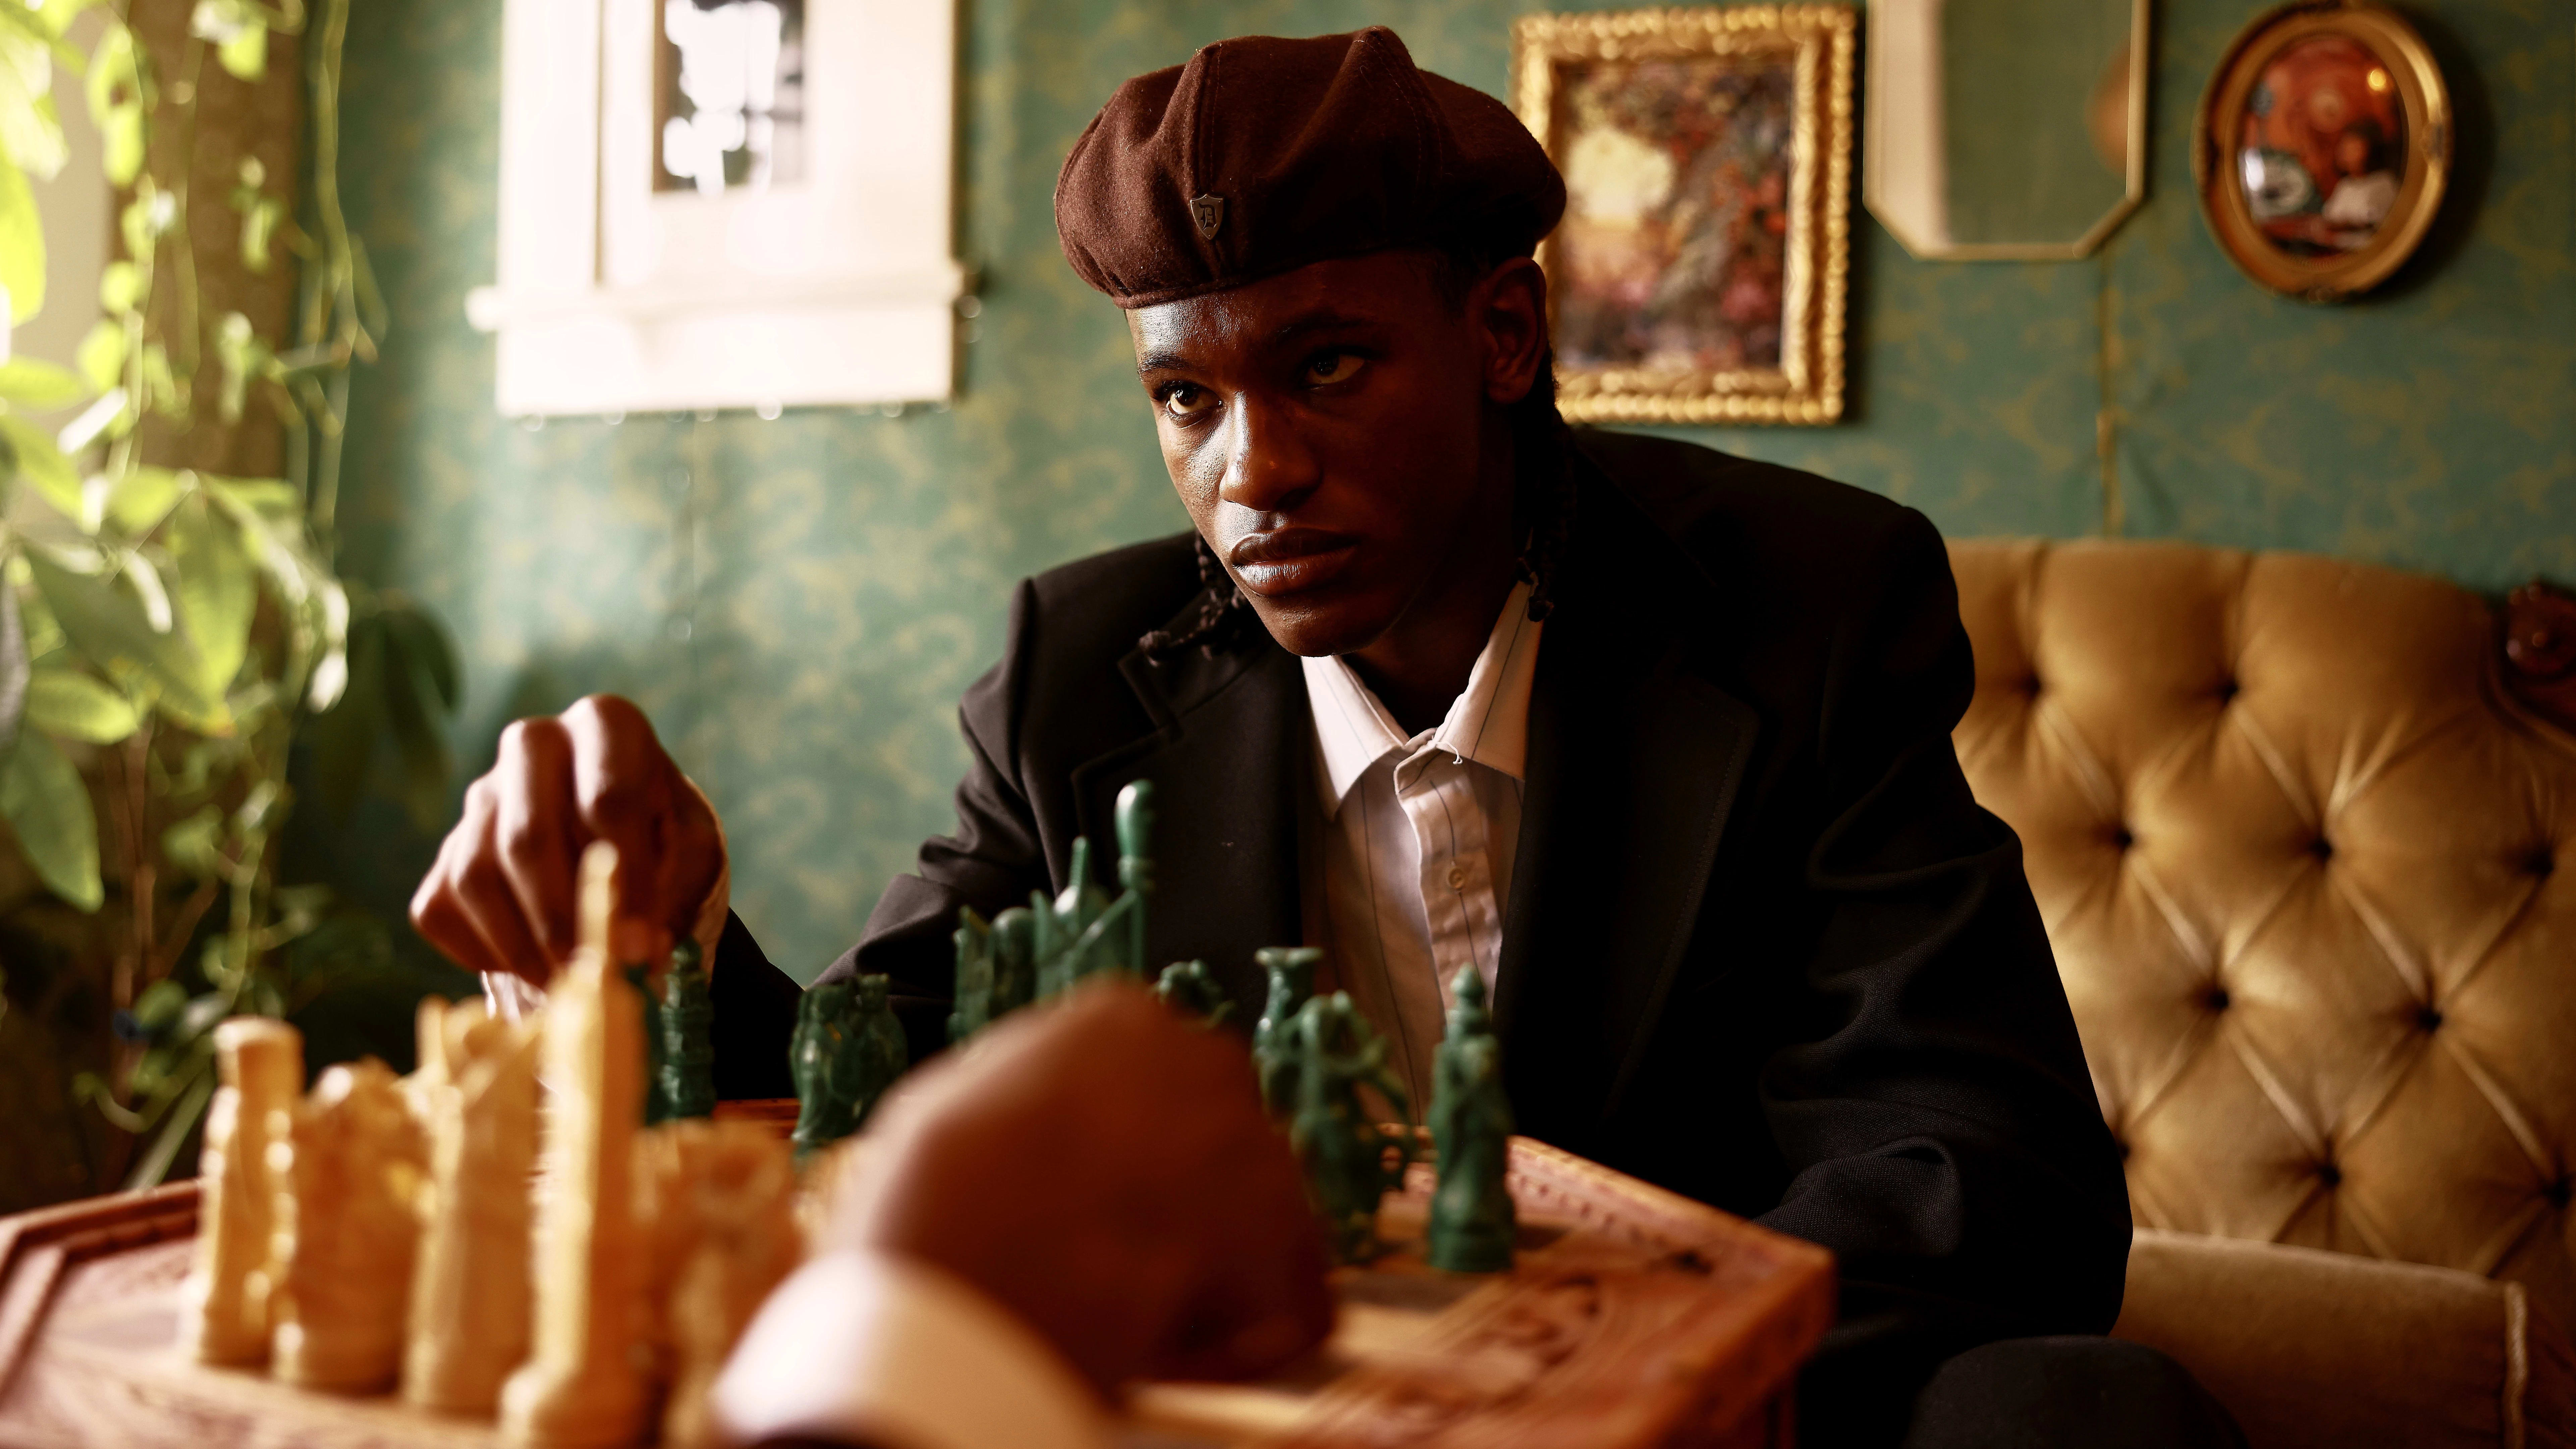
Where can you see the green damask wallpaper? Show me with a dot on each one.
(799, 601)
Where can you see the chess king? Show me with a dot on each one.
(1654, 740)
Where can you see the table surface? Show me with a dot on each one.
(1634, 1317)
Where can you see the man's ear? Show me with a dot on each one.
(1509, 310)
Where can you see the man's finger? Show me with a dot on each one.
(624, 788)
(436, 911)
(536, 830)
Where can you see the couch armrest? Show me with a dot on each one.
(2307, 1347)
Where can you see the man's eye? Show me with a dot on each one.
(1332, 367)
(1182, 400)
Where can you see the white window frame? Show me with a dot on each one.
(838, 289)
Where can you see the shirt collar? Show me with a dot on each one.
(1487, 723)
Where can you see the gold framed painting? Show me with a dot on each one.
(2322, 147)
(1702, 269)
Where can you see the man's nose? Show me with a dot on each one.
(1271, 467)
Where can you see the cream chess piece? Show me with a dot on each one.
(581, 1385)
(722, 1200)
(345, 1232)
(477, 1091)
(261, 1064)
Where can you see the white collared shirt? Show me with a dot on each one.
(1420, 836)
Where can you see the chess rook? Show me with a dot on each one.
(225, 1316)
(470, 1302)
(581, 1386)
(345, 1233)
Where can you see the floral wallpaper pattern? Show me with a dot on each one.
(799, 601)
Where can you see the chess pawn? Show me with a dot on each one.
(1350, 1165)
(1015, 970)
(1186, 987)
(1472, 1223)
(974, 989)
(470, 1299)
(345, 1233)
(822, 1022)
(729, 1228)
(581, 1385)
(1274, 1044)
(260, 1063)
(685, 1080)
(877, 1052)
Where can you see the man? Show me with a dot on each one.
(1655, 739)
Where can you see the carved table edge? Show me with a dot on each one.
(37, 1248)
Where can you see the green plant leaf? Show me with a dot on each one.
(76, 706)
(194, 844)
(101, 355)
(111, 628)
(14, 668)
(31, 134)
(246, 54)
(22, 239)
(120, 141)
(36, 459)
(137, 502)
(34, 383)
(48, 806)
(216, 592)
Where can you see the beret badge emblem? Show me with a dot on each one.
(1207, 213)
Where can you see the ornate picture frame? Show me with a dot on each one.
(1702, 272)
(2322, 147)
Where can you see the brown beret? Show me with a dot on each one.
(1262, 155)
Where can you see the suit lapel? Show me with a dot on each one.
(1636, 756)
(1229, 747)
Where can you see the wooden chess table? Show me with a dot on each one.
(1633, 1318)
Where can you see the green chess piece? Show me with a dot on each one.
(1135, 873)
(872, 1055)
(1472, 1224)
(1187, 987)
(1062, 922)
(1015, 960)
(685, 1076)
(973, 1010)
(822, 1027)
(640, 976)
(1350, 1164)
(1292, 982)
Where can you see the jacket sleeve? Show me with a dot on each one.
(992, 861)
(1939, 1123)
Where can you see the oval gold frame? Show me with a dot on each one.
(2420, 91)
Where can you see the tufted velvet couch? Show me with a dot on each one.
(2297, 850)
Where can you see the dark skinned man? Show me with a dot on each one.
(1655, 739)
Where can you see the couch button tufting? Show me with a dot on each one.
(2541, 862)
(2031, 686)
(2228, 689)
(2321, 848)
(2217, 998)
(2121, 838)
(2559, 1192)
(2329, 1174)
(2430, 1018)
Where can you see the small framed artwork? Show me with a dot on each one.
(2322, 147)
(1701, 271)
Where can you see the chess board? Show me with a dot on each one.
(1633, 1318)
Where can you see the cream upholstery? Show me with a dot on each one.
(2297, 854)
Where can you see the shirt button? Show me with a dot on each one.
(1457, 877)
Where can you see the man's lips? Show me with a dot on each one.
(1289, 560)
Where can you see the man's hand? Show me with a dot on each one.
(1104, 1171)
(501, 896)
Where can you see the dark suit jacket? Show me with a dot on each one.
(1762, 947)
